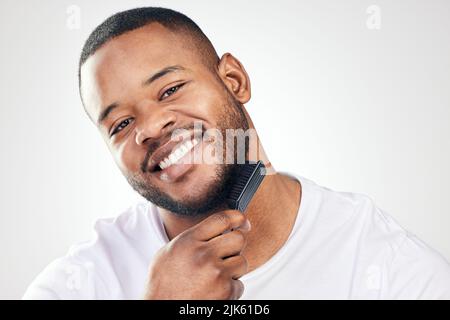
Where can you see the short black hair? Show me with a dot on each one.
(129, 20)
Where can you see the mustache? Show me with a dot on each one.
(154, 145)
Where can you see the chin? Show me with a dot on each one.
(197, 183)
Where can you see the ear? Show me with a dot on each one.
(234, 76)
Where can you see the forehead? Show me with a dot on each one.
(121, 65)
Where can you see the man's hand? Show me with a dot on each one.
(203, 262)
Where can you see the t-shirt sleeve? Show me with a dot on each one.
(418, 272)
(64, 278)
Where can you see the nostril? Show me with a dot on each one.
(168, 125)
(144, 142)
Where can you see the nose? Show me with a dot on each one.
(153, 123)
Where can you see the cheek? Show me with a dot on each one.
(128, 157)
(207, 102)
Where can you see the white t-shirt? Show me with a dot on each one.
(341, 247)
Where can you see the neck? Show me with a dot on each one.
(272, 214)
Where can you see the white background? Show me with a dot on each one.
(351, 108)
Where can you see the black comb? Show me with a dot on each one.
(248, 181)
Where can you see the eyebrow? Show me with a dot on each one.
(104, 114)
(161, 73)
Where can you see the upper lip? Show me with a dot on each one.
(162, 152)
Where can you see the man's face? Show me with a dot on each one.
(140, 87)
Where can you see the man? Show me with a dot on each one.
(148, 77)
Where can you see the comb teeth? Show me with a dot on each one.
(248, 181)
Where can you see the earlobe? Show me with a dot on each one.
(234, 76)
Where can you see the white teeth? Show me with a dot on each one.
(178, 153)
(162, 164)
(184, 148)
(172, 157)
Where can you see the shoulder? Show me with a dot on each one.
(356, 213)
(388, 260)
(90, 269)
(417, 271)
(112, 235)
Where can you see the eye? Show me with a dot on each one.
(121, 126)
(170, 91)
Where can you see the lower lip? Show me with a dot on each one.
(177, 170)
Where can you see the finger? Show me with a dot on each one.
(228, 244)
(236, 266)
(237, 289)
(218, 223)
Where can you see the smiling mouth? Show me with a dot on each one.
(176, 154)
(171, 152)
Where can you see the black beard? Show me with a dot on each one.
(215, 198)
(212, 201)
